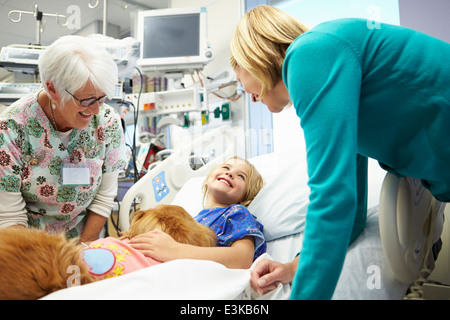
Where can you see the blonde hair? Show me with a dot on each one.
(260, 42)
(254, 183)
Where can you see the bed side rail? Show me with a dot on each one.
(160, 185)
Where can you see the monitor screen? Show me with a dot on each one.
(171, 36)
(173, 40)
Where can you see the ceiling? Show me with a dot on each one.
(24, 32)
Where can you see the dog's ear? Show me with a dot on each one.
(137, 215)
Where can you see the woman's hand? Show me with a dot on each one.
(92, 228)
(158, 245)
(267, 274)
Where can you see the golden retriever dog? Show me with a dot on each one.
(34, 263)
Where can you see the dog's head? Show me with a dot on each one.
(34, 264)
(175, 221)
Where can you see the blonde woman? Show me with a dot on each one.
(228, 190)
(359, 92)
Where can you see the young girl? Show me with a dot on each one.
(228, 190)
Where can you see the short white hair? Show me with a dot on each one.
(71, 61)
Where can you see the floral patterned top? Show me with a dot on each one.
(233, 223)
(32, 157)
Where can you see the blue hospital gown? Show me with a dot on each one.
(233, 223)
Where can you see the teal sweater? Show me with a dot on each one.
(359, 92)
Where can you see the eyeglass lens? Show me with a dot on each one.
(91, 101)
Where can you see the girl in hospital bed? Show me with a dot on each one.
(228, 190)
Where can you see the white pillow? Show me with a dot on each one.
(281, 204)
(190, 196)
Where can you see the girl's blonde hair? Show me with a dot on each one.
(260, 42)
(254, 182)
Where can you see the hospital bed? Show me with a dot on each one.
(280, 206)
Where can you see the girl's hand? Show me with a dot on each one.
(158, 245)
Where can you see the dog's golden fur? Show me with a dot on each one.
(34, 263)
(175, 221)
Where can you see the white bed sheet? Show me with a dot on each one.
(174, 280)
(366, 274)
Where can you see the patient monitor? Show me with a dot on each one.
(174, 40)
(411, 221)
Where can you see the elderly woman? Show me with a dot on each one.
(359, 92)
(61, 148)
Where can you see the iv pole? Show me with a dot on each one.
(105, 11)
(38, 15)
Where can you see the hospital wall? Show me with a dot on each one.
(431, 17)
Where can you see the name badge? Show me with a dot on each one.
(75, 176)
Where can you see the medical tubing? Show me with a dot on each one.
(136, 117)
(133, 147)
(424, 273)
(114, 223)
